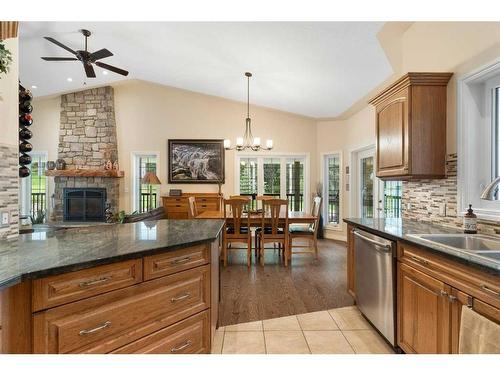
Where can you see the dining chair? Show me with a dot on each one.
(193, 208)
(271, 230)
(309, 232)
(247, 198)
(237, 227)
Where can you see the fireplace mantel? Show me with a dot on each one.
(84, 173)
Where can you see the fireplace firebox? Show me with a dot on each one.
(84, 204)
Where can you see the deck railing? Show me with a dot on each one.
(295, 201)
(146, 205)
(38, 202)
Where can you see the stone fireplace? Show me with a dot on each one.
(87, 139)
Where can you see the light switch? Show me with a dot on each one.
(5, 218)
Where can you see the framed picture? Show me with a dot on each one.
(195, 161)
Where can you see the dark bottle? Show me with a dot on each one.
(26, 119)
(25, 133)
(25, 95)
(24, 172)
(25, 147)
(25, 107)
(24, 159)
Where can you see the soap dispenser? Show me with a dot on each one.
(470, 221)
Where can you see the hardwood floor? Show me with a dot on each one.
(272, 291)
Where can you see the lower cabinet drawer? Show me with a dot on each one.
(175, 261)
(109, 321)
(190, 336)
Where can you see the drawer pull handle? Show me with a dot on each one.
(489, 290)
(180, 298)
(104, 325)
(419, 260)
(101, 280)
(177, 205)
(183, 346)
(180, 261)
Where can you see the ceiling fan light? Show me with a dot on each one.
(69, 79)
(105, 72)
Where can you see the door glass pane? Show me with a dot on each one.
(332, 181)
(367, 187)
(147, 201)
(392, 199)
(272, 177)
(248, 176)
(295, 184)
(38, 185)
(496, 132)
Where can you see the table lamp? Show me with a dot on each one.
(150, 178)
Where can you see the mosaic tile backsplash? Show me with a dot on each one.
(426, 197)
(9, 186)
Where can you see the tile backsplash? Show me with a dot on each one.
(9, 185)
(427, 198)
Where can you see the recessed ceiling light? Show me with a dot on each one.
(69, 79)
(34, 87)
(105, 72)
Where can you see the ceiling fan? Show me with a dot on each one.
(86, 57)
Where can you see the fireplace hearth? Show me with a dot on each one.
(84, 204)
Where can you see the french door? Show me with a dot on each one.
(279, 176)
(366, 188)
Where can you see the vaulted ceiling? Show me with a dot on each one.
(316, 69)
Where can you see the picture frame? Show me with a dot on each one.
(196, 161)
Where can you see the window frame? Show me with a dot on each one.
(324, 182)
(475, 141)
(135, 155)
(283, 156)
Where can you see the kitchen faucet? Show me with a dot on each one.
(490, 193)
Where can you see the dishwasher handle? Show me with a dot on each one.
(384, 247)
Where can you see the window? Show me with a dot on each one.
(277, 176)
(478, 146)
(392, 199)
(331, 187)
(145, 196)
(366, 182)
(34, 187)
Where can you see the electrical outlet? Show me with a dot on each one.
(408, 206)
(5, 218)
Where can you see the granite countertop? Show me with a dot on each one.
(41, 254)
(400, 229)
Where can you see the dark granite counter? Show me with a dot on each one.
(400, 229)
(49, 253)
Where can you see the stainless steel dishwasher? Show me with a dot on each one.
(375, 269)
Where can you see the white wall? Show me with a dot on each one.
(147, 115)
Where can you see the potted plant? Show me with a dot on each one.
(319, 193)
(5, 58)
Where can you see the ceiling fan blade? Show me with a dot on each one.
(112, 68)
(60, 44)
(59, 58)
(89, 70)
(101, 54)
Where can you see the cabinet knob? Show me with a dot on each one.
(443, 293)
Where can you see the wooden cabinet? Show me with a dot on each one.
(113, 308)
(431, 290)
(177, 207)
(411, 127)
(423, 312)
(351, 281)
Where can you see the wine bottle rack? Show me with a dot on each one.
(25, 134)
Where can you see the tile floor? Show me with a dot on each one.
(336, 331)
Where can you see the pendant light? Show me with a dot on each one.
(248, 141)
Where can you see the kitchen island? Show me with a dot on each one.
(147, 287)
(432, 282)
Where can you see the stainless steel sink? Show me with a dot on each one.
(466, 242)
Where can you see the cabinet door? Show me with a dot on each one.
(423, 312)
(392, 136)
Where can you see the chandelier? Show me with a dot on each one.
(248, 141)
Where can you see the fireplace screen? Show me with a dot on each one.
(84, 204)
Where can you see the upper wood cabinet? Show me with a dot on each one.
(411, 127)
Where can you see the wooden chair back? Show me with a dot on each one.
(192, 209)
(262, 198)
(271, 217)
(315, 211)
(235, 207)
(246, 198)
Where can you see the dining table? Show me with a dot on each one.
(294, 217)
